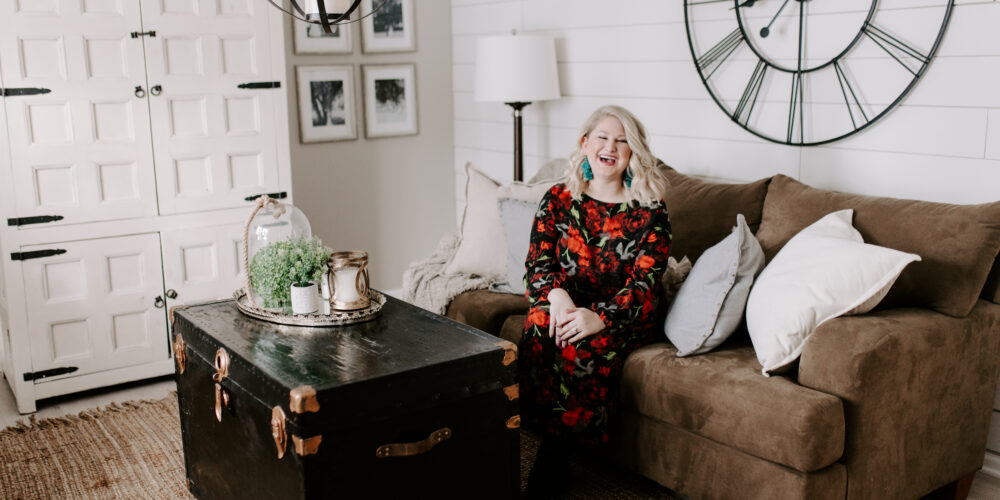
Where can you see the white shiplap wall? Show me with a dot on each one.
(941, 144)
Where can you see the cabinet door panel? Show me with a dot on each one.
(203, 263)
(83, 150)
(93, 306)
(215, 142)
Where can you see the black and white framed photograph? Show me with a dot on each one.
(390, 92)
(311, 39)
(326, 103)
(390, 28)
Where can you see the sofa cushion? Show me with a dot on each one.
(513, 328)
(486, 310)
(721, 396)
(957, 243)
(552, 170)
(702, 213)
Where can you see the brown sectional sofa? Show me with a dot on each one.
(890, 404)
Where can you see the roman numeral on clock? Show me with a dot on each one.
(750, 93)
(845, 87)
(883, 39)
(719, 53)
(795, 104)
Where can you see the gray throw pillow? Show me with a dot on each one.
(710, 304)
(516, 217)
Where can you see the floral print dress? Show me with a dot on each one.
(609, 257)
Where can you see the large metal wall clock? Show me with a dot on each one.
(809, 72)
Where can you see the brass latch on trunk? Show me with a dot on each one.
(180, 355)
(278, 430)
(221, 372)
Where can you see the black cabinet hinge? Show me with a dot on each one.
(277, 196)
(38, 219)
(137, 34)
(260, 85)
(28, 377)
(13, 92)
(37, 254)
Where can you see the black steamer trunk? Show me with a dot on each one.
(408, 405)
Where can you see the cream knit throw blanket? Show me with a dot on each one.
(425, 286)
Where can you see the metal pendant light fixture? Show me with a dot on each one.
(326, 13)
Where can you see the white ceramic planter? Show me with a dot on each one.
(305, 299)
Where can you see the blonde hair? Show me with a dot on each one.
(648, 182)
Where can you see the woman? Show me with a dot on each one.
(598, 247)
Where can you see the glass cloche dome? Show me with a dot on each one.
(275, 222)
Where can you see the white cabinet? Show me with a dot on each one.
(93, 306)
(203, 261)
(210, 133)
(83, 149)
(132, 134)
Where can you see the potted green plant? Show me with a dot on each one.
(284, 274)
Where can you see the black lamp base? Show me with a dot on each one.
(518, 150)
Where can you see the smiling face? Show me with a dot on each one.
(607, 149)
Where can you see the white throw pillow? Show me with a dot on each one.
(709, 305)
(824, 271)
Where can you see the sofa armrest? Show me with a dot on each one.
(918, 388)
(485, 309)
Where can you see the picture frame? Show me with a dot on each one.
(390, 29)
(390, 96)
(326, 103)
(309, 38)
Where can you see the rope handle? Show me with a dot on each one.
(261, 202)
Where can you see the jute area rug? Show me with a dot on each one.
(133, 450)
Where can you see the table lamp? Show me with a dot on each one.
(516, 70)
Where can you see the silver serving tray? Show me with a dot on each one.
(335, 318)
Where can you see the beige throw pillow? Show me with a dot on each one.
(483, 250)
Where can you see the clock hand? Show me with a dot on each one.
(766, 30)
(746, 3)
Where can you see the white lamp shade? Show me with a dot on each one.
(519, 68)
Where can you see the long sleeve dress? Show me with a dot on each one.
(609, 257)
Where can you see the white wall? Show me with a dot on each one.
(941, 144)
(937, 145)
(390, 196)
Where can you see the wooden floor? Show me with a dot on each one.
(984, 487)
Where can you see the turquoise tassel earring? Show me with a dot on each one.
(588, 174)
(628, 177)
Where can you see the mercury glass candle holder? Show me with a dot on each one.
(348, 280)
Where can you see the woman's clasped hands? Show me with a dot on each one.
(568, 323)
